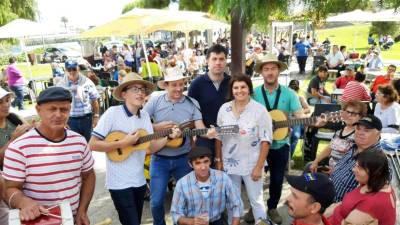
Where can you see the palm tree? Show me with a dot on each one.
(64, 20)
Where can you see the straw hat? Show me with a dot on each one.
(129, 79)
(172, 74)
(269, 58)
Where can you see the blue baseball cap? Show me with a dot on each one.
(71, 64)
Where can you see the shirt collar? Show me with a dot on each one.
(193, 179)
(77, 82)
(207, 77)
(128, 113)
(323, 218)
(169, 100)
(270, 93)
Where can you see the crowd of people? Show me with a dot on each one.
(51, 161)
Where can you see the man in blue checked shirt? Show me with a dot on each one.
(201, 196)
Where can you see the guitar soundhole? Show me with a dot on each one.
(119, 151)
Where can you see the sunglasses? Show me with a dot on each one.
(72, 69)
(350, 113)
(136, 90)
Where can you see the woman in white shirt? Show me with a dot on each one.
(243, 155)
(387, 109)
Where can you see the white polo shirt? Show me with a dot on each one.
(334, 59)
(130, 172)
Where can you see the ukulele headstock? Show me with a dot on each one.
(228, 129)
(333, 117)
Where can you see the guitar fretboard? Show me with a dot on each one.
(291, 122)
(156, 135)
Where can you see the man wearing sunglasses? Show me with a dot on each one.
(84, 107)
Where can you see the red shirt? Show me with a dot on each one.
(378, 205)
(342, 81)
(355, 90)
(324, 220)
(380, 80)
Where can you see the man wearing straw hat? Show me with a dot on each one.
(168, 110)
(125, 180)
(275, 96)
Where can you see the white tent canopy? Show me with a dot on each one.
(388, 15)
(22, 28)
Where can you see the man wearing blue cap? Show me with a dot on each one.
(85, 107)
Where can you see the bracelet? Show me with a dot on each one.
(96, 115)
(11, 197)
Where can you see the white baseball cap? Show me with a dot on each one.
(3, 93)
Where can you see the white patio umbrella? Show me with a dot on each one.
(23, 29)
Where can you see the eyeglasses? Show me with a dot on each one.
(350, 113)
(72, 69)
(137, 90)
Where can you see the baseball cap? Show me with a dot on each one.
(370, 122)
(350, 67)
(71, 64)
(198, 152)
(53, 94)
(4, 92)
(318, 185)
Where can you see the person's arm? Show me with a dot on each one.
(257, 170)
(96, 110)
(323, 155)
(211, 132)
(86, 194)
(158, 144)
(358, 217)
(304, 105)
(101, 145)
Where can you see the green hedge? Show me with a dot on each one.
(4, 59)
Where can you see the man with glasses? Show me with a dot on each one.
(84, 107)
(384, 79)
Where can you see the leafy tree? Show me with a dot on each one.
(383, 28)
(12, 9)
(64, 20)
(158, 4)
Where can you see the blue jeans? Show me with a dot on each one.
(161, 169)
(129, 204)
(297, 131)
(82, 125)
(19, 96)
(277, 160)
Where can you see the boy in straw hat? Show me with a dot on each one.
(125, 180)
(167, 110)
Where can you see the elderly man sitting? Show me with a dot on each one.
(367, 135)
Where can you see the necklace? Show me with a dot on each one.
(238, 110)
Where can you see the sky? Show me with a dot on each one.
(80, 13)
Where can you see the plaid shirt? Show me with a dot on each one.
(343, 177)
(188, 201)
(83, 93)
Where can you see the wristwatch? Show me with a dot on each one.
(217, 160)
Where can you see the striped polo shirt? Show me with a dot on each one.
(343, 177)
(51, 171)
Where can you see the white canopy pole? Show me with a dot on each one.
(145, 56)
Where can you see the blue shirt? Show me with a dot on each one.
(161, 108)
(188, 200)
(288, 102)
(210, 99)
(302, 48)
(343, 177)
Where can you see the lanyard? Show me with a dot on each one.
(278, 94)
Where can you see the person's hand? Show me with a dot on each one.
(200, 221)
(314, 167)
(256, 173)
(211, 133)
(31, 210)
(219, 166)
(327, 170)
(20, 130)
(176, 132)
(82, 218)
(130, 139)
(164, 125)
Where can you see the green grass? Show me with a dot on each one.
(38, 71)
(355, 36)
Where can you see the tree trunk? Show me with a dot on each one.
(238, 39)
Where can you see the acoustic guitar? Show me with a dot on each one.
(143, 143)
(281, 124)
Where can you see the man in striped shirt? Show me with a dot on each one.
(366, 137)
(50, 164)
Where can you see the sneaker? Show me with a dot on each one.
(248, 217)
(274, 216)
